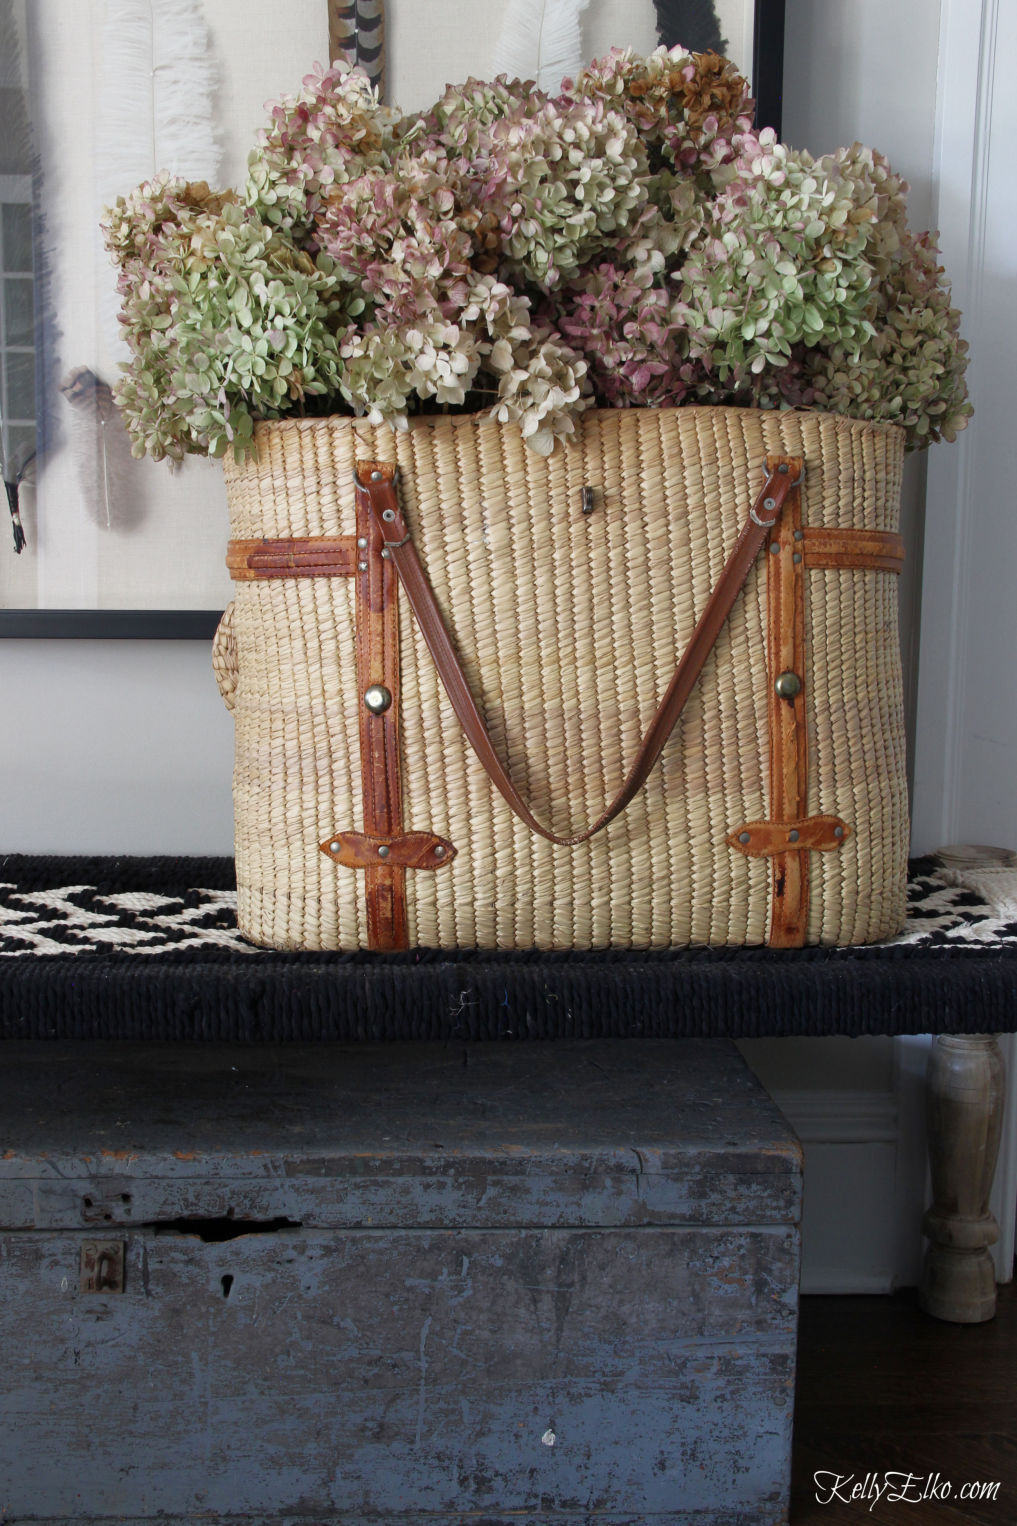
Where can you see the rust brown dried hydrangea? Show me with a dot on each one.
(717, 89)
(197, 194)
(484, 231)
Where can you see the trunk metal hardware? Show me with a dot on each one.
(102, 1266)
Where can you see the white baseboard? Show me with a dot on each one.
(840, 1117)
(849, 1229)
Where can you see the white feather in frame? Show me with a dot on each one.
(541, 40)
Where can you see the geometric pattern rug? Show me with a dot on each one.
(83, 915)
(149, 948)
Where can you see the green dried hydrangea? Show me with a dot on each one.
(560, 178)
(912, 371)
(781, 262)
(807, 268)
(384, 367)
(226, 321)
(573, 181)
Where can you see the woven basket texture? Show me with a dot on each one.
(568, 627)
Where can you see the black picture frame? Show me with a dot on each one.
(200, 624)
(768, 63)
(109, 624)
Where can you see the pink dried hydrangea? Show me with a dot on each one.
(621, 322)
(396, 239)
(334, 131)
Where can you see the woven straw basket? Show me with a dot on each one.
(569, 587)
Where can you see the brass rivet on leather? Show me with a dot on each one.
(377, 699)
(787, 685)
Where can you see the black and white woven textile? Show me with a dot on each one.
(149, 948)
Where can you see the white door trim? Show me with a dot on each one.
(961, 175)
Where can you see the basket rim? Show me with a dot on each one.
(460, 419)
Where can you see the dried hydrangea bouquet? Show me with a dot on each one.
(629, 242)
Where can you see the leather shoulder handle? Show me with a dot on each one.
(376, 489)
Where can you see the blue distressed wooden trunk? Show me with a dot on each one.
(555, 1283)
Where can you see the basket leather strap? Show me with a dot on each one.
(859, 550)
(377, 617)
(376, 491)
(789, 741)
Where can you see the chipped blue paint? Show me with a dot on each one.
(604, 1251)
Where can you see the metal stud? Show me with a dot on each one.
(362, 542)
(384, 850)
(799, 535)
(782, 468)
(334, 847)
(796, 557)
(769, 503)
(439, 851)
(361, 566)
(377, 699)
(386, 555)
(775, 548)
(838, 831)
(376, 476)
(787, 685)
(792, 836)
(388, 515)
(744, 837)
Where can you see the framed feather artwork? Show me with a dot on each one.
(99, 97)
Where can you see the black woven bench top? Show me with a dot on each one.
(133, 948)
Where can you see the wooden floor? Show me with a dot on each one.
(883, 1389)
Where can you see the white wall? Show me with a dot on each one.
(113, 747)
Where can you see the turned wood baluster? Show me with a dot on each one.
(965, 1109)
(965, 1091)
